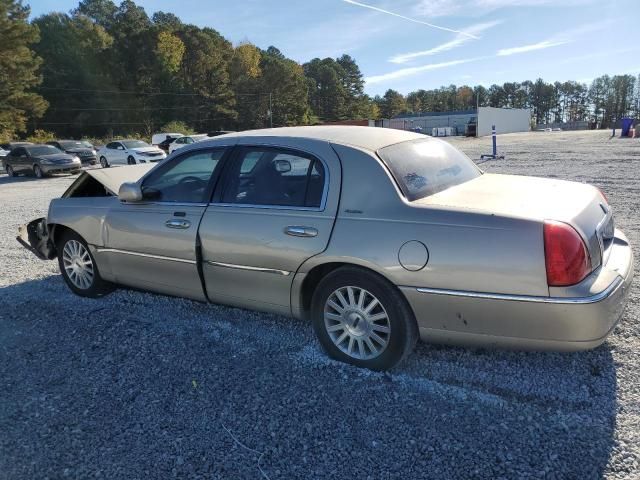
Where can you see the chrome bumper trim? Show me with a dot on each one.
(146, 255)
(528, 298)
(247, 267)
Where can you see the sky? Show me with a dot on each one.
(411, 44)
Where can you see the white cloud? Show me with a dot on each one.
(410, 71)
(459, 40)
(410, 19)
(529, 48)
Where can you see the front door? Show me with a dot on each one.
(275, 210)
(151, 244)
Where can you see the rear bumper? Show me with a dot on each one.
(527, 322)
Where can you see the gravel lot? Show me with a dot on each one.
(137, 385)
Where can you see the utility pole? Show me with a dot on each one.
(270, 111)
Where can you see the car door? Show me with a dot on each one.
(116, 153)
(20, 159)
(274, 209)
(151, 244)
(179, 142)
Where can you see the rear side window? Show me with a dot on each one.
(424, 167)
(274, 177)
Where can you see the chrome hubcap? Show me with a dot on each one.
(357, 323)
(77, 264)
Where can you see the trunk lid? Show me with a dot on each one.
(580, 205)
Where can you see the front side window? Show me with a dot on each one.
(270, 176)
(185, 180)
(425, 167)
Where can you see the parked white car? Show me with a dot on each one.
(186, 140)
(129, 152)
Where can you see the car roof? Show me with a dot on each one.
(369, 138)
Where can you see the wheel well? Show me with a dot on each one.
(316, 274)
(57, 232)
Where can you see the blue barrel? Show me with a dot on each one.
(626, 126)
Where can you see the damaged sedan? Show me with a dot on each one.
(378, 237)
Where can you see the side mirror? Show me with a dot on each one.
(283, 166)
(130, 192)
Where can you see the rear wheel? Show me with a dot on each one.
(104, 163)
(78, 267)
(362, 319)
(131, 160)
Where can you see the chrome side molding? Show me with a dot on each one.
(247, 267)
(527, 298)
(147, 255)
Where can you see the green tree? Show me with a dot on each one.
(18, 69)
(393, 103)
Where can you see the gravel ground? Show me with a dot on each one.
(138, 385)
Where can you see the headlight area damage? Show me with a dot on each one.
(34, 236)
(37, 235)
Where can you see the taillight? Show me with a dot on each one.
(566, 256)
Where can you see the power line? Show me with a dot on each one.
(131, 92)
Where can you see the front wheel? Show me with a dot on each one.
(131, 160)
(103, 162)
(10, 171)
(78, 267)
(362, 319)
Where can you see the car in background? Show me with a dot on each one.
(158, 138)
(40, 160)
(186, 140)
(129, 152)
(164, 145)
(83, 149)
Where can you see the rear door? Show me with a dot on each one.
(275, 208)
(151, 244)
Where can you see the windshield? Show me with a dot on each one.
(423, 167)
(42, 150)
(134, 143)
(68, 144)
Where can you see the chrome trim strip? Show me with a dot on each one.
(146, 255)
(528, 298)
(267, 207)
(247, 267)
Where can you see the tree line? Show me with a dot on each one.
(105, 69)
(602, 103)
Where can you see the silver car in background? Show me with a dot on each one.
(376, 236)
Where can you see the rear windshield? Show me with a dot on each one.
(423, 167)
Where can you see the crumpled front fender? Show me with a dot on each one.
(35, 237)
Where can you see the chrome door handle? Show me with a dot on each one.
(174, 223)
(297, 231)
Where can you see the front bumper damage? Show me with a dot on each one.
(36, 237)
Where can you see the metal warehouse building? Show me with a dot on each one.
(465, 122)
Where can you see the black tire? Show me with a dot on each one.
(403, 334)
(37, 171)
(131, 160)
(10, 171)
(97, 287)
(104, 163)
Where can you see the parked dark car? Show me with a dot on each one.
(83, 149)
(40, 160)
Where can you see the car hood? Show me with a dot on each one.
(113, 177)
(55, 156)
(531, 198)
(145, 149)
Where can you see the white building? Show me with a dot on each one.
(465, 122)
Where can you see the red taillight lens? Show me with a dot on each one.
(566, 256)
